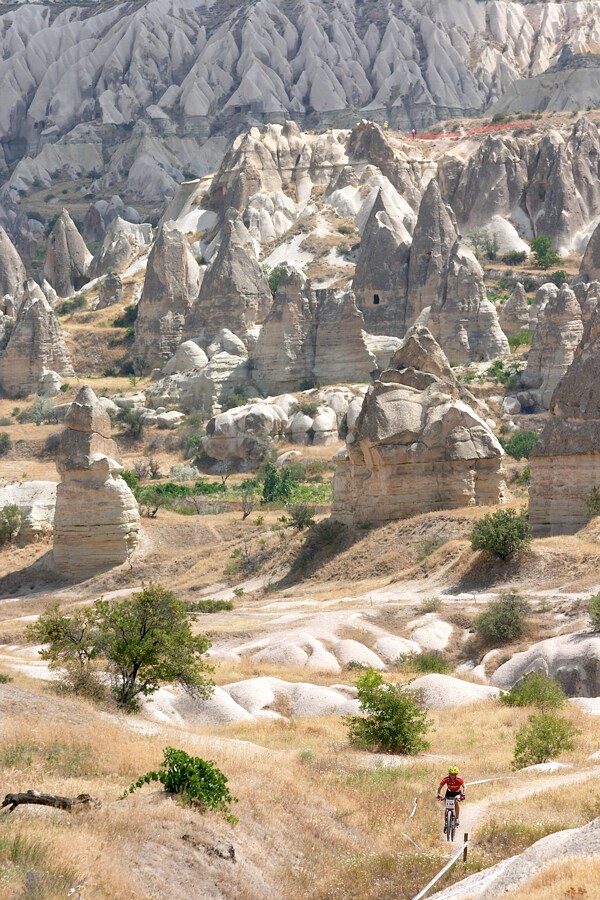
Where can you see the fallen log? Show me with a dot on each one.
(82, 801)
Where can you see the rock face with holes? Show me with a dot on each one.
(416, 444)
(381, 278)
(96, 523)
(12, 276)
(565, 463)
(170, 287)
(68, 260)
(514, 315)
(35, 349)
(462, 319)
(556, 337)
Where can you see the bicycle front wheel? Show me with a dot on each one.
(449, 829)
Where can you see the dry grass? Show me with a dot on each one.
(569, 879)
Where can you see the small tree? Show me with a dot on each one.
(147, 641)
(5, 443)
(544, 254)
(393, 721)
(301, 516)
(504, 619)
(501, 533)
(277, 485)
(132, 420)
(520, 444)
(10, 523)
(197, 781)
(73, 645)
(536, 689)
(248, 501)
(543, 738)
(594, 612)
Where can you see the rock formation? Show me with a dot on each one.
(120, 246)
(590, 264)
(381, 278)
(67, 261)
(565, 463)
(555, 339)
(543, 294)
(36, 500)
(462, 319)
(235, 293)
(514, 314)
(170, 287)
(433, 239)
(96, 524)
(12, 276)
(244, 432)
(571, 659)
(341, 354)
(416, 445)
(35, 348)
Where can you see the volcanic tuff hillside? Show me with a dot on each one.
(156, 79)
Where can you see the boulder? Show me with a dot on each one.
(35, 348)
(169, 420)
(555, 339)
(514, 314)
(565, 463)
(242, 433)
(416, 446)
(188, 356)
(170, 287)
(36, 500)
(97, 523)
(381, 277)
(67, 261)
(462, 319)
(572, 659)
(433, 239)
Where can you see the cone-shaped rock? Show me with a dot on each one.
(416, 446)
(565, 464)
(235, 293)
(12, 275)
(341, 353)
(120, 246)
(36, 347)
(170, 287)
(67, 259)
(96, 524)
(590, 264)
(514, 315)
(381, 277)
(462, 319)
(556, 337)
(433, 239)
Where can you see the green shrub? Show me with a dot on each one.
(301, 515)
(192, 444)
(209, 487)
(542, 739)
(501, 533)
(5, 679)
(514, 257)
(592, 503)
(424, 663)
(499, 117)
(522, 339)
(427, 546)
(127, 317)
(520, 444)
(504, 619)
(132, 421)
(181, 472)
(525, 476)
(544, 254)
(10, 523)
(197, 781)
(37, 413)
(234, 400)
(431, 605)
(277, 485)
(594, 612)
(502, 374)
(130, 479)
(70, 306)
(5, 443)
(274, 276)
(536, 689)
(392, 720)
(209, 606)
(306, 406)
(559, 277)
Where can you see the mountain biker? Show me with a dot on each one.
(455, 787)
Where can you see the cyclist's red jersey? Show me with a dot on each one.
(454, 783)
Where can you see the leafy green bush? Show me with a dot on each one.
(520, 444)
(277, 485)
(425, 662)
(501, 533)
(559, 277)
(130, 479)
(70, 306)
(592, 502)
(543, 738)
(274, 277)
(504, 619)
(127, 317)
(195, 780)
(192, 444)
(209, 606)
(503, 374)
(5, 679)
(514, 257)
(209, 487)
(10, 523)
(392, 720)
(234, 400)
(5, 443)
(306, 406)
(594, 612)
(522, 339)
(37, 413)
(544, 254)
(536, 689)
(525, 476)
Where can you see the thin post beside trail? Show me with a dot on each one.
(465, 845)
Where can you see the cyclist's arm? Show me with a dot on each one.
(441, 784)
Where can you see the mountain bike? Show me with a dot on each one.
(449, 817)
